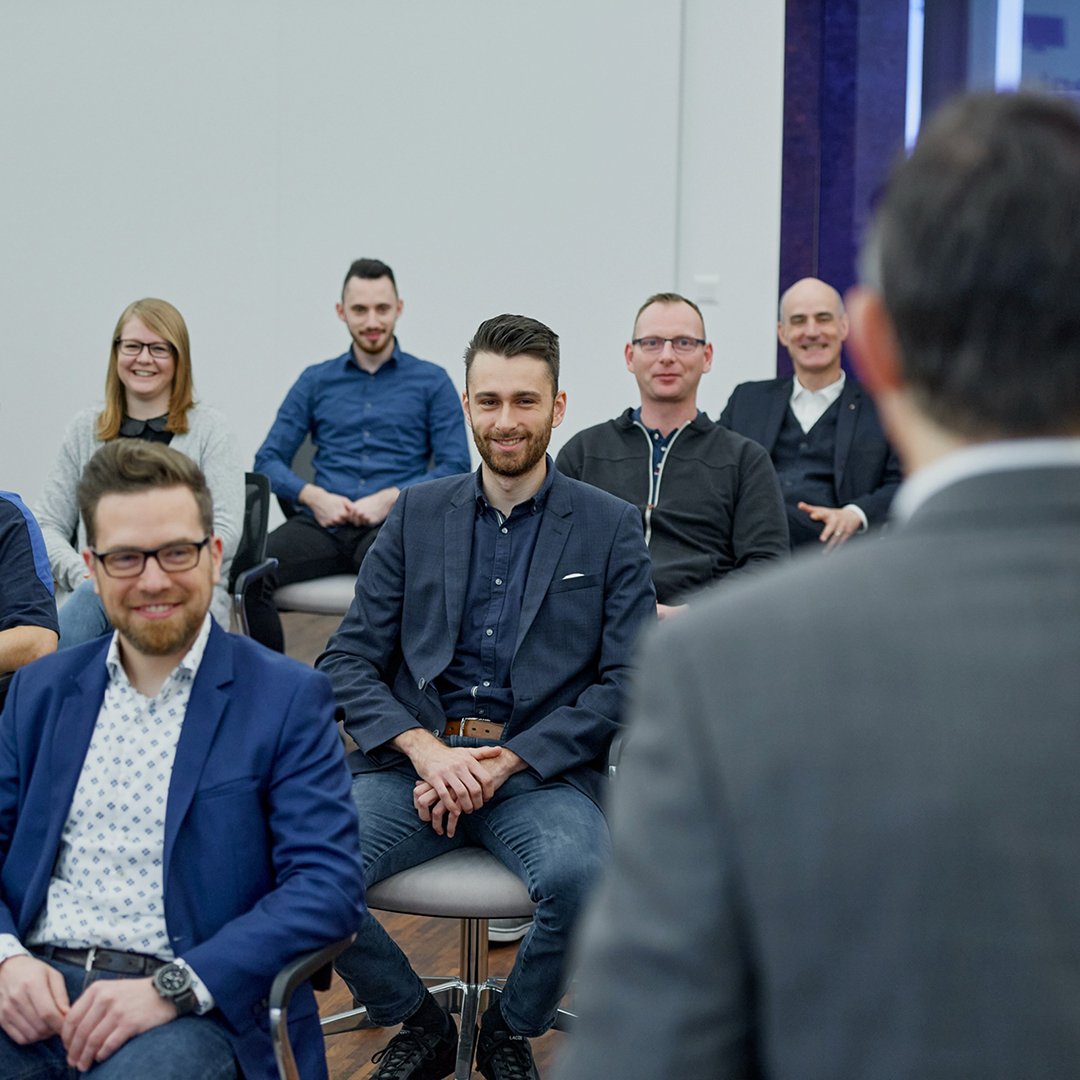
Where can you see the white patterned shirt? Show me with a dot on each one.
(107, 885)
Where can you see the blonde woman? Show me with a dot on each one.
(149, 394)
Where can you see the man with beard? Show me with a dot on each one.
(481, 672)
(136, 937)
(380, 420)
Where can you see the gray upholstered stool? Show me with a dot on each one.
(466, 884)
(330, 595)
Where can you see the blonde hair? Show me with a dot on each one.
(163, 319)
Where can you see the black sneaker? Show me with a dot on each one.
(416, 1054)
(501, 1055)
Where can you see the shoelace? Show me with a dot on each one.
(400, 1053)
(511, 1056)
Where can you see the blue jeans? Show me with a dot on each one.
(82, 618)
(551, 835)
(188, 1048)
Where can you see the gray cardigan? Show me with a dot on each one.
(208, 442)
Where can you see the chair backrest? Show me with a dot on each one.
(252, 548)
(303, 464)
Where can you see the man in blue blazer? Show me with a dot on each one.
(175, 821)
(837, 471)
(481, 671)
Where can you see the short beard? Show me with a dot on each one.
(532, 450)
(164, 638)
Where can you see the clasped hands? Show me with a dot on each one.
(34, 1005)
(456, 780)
(330, 509)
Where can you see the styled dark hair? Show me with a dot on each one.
(369, 270)
(516, 335)
(669, 298)
(126, 466)
(976, 253)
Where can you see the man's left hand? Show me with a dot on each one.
(839, 523)
(372, 509)
(430, 808)
(108, 1013)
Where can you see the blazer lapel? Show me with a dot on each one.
(845, 429)
(554, 530)
(204, 711)
(69, 742)
(457, 548)
(774, 419)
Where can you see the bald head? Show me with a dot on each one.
(810, 286)
(813, 327)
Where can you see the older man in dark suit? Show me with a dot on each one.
(837, 471)
(481, 671)
(864, 861)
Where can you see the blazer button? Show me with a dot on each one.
(421, 684)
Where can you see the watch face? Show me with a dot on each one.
(173, 979)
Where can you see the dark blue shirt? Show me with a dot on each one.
(392, 428)
(26, 583)
(477, 680)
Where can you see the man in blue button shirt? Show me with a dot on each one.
(380, 420)
(481, 673)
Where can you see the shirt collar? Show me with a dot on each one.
(535, 504)
(830, 393)
(132, 429)
(188, 664)
(635, 416)
(982, 458)
(350, 358)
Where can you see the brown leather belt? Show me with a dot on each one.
(472, 727)
(120, 963)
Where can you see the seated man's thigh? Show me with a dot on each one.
(189, 1048)
(392, 836)
(305, 550)
(551, 835)
(45, 1060)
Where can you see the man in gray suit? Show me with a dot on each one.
(847, 823)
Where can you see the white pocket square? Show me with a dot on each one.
(567, 577)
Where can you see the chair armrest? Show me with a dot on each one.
(313, 967)
(614, 753)
(242, 584)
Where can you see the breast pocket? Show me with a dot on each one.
(579, 581)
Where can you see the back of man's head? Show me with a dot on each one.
(976, 251)
(130, 466)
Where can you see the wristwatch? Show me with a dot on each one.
(173, 982)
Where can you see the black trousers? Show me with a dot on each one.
(304, 550)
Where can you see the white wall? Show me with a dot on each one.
(562, 158)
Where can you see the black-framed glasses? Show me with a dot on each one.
(681, 345)
(172, 558)
(159, 350)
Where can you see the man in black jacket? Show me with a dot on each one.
(709, 498)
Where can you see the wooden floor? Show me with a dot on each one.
(431, 944)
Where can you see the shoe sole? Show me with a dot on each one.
(502, 935)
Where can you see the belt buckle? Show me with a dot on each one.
(91, 956)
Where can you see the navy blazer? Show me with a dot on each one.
(588, 596)
(262, 859)
(866, 469)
